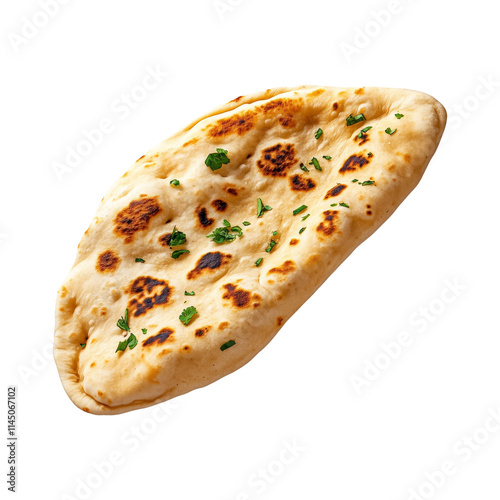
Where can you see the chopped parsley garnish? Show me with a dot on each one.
(122, 323)
(187, 314)
(130, 341)
(275, 233)
(177, 238)
(177, 253)
(224, 234)
(188, 293)
(305, 216)
(333, 204)
(174, 182)
(367, 183)
(318, 133)
(389, 131)
(144, 331)
(246, 223)
(216, 160)
(302, 230)
(316, 164)
(327, 158)
(300, 209)
(352, 120)
(227, 345)
(369, 155)
(363, 132)
(354, 180)
(272, 244)
(138, 259)
(83, 345)
(258, 261)
(304, 168)
(261, 208)
(344, 205)
(398, 116)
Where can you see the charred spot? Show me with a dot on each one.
(219, 205)
(353, 163)
(300, 183)
(231, 189)
(249, 155)
(335, 191)
(368, 206)
(164, 239)
(140, 158)
(160, 338)
(237, 98)
(368, 212)
(335, 106)
(294, 241)
(363, 139)
(147, 293)
(208, 262)
(286, 268)
(240, 124)
(203, 218)
(276, 160)
(107, 262)
(279, 320)
(194, 140)
(136, 217)
(201, 331)
(223, 325)
(286, 107)
(239, 297)
(328, 226)
(360, 91)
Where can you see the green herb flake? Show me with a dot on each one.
(302, 230)
(300, 209)
(178, 238)
(246, 223)
(398, 116)
(352, 120)
(316, 164)
(305, 216)
(83, 345)
(389, 131)
(258, 261)
(187, 314)
(138, 259)
(227, 345)
(368, 183)
(344, 205)
(130, 341)
(175, 182)
(272, 244)
(304, 168)
(334, 204)
(224, 234)
(216, 160)
(363, 132)
(354, 180)
(188, 293)
(144, 331)
(327, 158)
(122, 323)
(261, 208)
(177, 253)
(275, 233)
(369, 155)
(318, 133)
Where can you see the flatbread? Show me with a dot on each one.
(271, 139)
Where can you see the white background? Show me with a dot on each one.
(377, 443)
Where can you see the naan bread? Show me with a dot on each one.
(240, 306)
